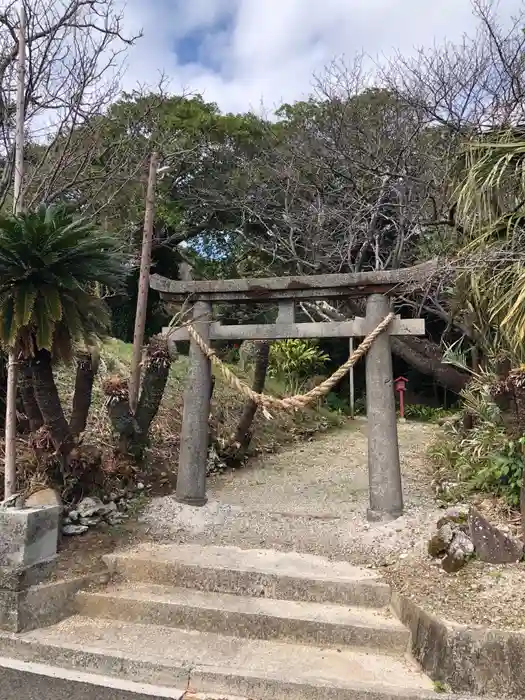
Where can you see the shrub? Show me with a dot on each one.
(427, 414)
(486, 458)
(293, 361)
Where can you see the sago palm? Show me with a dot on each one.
(51, 264)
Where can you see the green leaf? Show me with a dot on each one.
(52, 303)
(24, 303)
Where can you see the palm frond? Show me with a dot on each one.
(50, 261)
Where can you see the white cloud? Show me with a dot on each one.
(268, 50)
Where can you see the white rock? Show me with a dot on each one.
(74, 529)
(90, 506)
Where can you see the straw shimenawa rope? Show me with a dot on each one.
(301, 400)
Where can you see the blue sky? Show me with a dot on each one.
(244, 53)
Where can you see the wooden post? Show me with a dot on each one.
(351, 380)
(18, 203)
(193, 455)
(142, 298)
(384, 473)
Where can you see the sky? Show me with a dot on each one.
(246, 53)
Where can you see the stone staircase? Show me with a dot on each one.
(183, 621)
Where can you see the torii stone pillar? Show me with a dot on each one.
(384, 472)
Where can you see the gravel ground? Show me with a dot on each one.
(313, 499)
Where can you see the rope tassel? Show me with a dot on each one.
(301, 400)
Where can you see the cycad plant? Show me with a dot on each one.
(51, 264)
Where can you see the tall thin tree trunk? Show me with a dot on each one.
(87, 368)
(18, 196)
(27, 392)
(49, 403)
(142, 298)
(243, 434)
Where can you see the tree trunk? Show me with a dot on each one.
(27, 393)
(87, 367)
(156, 373)
(49, 403)
(133, 430)
(425, 356)
(119, 411)
(243, 435)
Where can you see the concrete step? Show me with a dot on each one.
(34, 680)
(203, 662)
(252, 572)
(319, 624)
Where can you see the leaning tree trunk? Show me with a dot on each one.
(27, 393)
(425, 356)
(420, 353)
(87, 368)
(133, 430)
(49, 403)
(243, 434)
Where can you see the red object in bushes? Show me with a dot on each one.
(400, 385)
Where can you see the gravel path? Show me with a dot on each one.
(313, 499)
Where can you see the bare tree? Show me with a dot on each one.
(75, 57)
(475, 84)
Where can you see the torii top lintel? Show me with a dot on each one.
(297, 287)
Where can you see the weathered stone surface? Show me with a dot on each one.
(384, 472)
(20, 578)
(454, 516)
(90, 522)
(491, 544)
(28, 536)
(470, 660)
(440, 541)
(35, 680)
(89, 507)
(312, 624)
(70, 530)
(43, 604)
(275, 574)
(460, 551)
(44, 497)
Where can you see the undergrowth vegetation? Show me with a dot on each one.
(486, 456)
(158, 471)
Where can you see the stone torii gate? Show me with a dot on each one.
(385, 489)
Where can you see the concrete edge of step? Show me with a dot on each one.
(104, 686)
(366, 592)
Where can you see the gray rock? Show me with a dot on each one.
(454, 516)
(88, 507)
(74, 515)
(116, 518)
(491, 544)
(90, 522)
(460, 551)
(74, 529)
(440, 541)
(14, 501)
